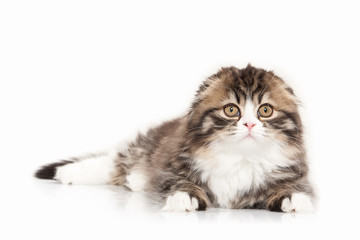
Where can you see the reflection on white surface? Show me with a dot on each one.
(111, 212)
(121, 203)
(47, 208)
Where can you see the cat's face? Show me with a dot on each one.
(249, 107)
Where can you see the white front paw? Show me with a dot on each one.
(300, 203)
(181, 202)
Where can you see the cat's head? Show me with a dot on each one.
(249, 107)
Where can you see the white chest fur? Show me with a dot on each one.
(231, 170)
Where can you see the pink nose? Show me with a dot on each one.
(249, 125)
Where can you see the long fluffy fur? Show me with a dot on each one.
(188, 154)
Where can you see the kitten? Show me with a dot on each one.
(240, 145)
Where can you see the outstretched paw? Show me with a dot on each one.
(299, 202)
(181, 202)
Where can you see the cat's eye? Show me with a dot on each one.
(265, 110)
(231, 110)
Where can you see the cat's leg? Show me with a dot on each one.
(90, 169)
(299, 202)
(182, 195)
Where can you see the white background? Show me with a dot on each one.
(77, 76)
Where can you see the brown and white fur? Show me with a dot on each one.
(209, 159)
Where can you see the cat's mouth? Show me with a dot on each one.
(250, 138)
(246, 138)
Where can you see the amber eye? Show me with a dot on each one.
(231, 110)
(265, 110)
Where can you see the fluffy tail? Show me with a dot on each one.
(49, 171)
(88, 169)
